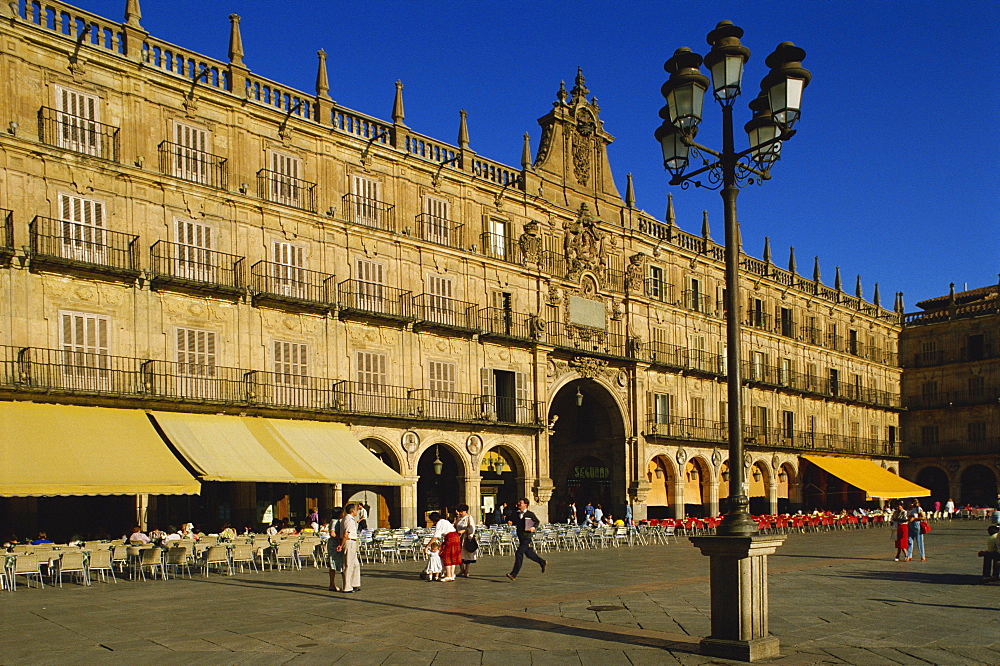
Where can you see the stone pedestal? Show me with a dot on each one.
(739, 596)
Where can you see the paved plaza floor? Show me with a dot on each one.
(836, 598)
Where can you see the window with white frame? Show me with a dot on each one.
(366, 202)
(661, 408)
(758, 366)
(83, 229)
(441, 379)
(85, 341)
(440, 302)
(697, 410)
(191, 159)
(289, 274)
(656, 288)
(698, 357)
(195, 351)
(696, 300)
(496, 238)
(436, 225)
(290, 363)
(284, 185)
(194, 250)
(371, 372)
(370, 285)
(78, 118)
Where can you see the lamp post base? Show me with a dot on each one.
(739, 596)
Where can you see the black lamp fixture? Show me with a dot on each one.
(725, 475)
(782, 476)
(498, 464)
(579, 397)
(438, 465)
(756, 474)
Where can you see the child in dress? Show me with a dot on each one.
(434, 564)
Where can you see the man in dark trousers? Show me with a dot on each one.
(526, 522)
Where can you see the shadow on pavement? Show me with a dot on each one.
(911, 576)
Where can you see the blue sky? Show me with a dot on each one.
(888, 176)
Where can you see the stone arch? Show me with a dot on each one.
(661, 474)
(935, 479)
(438, 491)
(758, 479)
(384, 451)
(699, 478)
(977, 485)
(789, 488)
(500, 484)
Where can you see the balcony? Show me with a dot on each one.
(499, 247)
(776, 377)
(955, 447)
(369, 212)
(54, 371)
(835, 342)
(665, 355)
(962, 355)
(759, 319)
(194, 268)
(193, 165)
(812, 335)
(786, 328)
(696, 301)
(985, 395)
(434, 310)
(283, 189)
(77, 134)
(506, 323)
(6, 235)
(586, 340)
(691, 430)
(291, 286)
(658, 290)
(440, 231)
(82, 248)
(357, 296)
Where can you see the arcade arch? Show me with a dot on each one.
(441, 479)
(978, 486)
(500, 469)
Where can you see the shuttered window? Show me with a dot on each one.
(191, 148)
(371, 372)
(194, 245)
(441, 379)
(83, 236)
(437, 227)
(290, 364)
(441, 302)
(196, 355)
(366, 200)
(78, 117)
(285, 187)
(289, 276)
(86, 346)
(371, 281)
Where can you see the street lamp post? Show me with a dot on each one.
(738, 553)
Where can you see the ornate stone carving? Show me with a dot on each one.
(616, 310)
(530, 243)
(554, 296)
(583, 147)
(474, 445)
(410, 441)
(747, 460)
(536, 327)
(681, 457)
(635, 273)
(716, 457)
(586, 367)
(775, 461)
(584, 244)
(634, 344)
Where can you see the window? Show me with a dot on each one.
(873, 432)
(891, 434)
(853, 346)
(503, 313)
(437, 227)
(284, 186)
(290, 363)
(787, 323)
(83, 234)
(834, 381)
(371, 372)
(858, 391)
(696, 349)
(758, 366)
(975, 346)
(194, 245)
(756, 312)
(661, 408)
(440, 304)
(833, 339)
(505, 396)
(289, 276)
(190, 154)
(855, 430)
(496, 238)
(812, 331)
(785, 372)
(698, 410)
(195, 350)
(656, 287)
(788, 425)
(441, 379)
(812, 377)
(366, 199)
(724, 413)
(85, 343)
(758, 423)
(928, 390)
(77, 118)
(370, 285)
(929, 435)
(697, 298)
(977, 386)
(977, 431)
(834, 426)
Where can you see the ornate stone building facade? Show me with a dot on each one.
(184, 235)
(950, 352)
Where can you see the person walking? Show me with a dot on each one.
(525, 522)
(335, 556)
(349, 547)
(466, 527)
(949, 507)
(916, 534)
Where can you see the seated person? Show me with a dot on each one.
(228, 532)
(173, 534)
(991, 555)
(42, 539)
(137, 536)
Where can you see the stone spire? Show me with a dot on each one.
(579, 90)
(463, 130)
(837, 282)
(132, 14)
(951, 294)
(877, 299)
(816, 275)
(671, 216)
(706, 233)
(791, 260)
(900, 308)
(235, 41)
(322, 80)
(767, 249)
(857, 288)
(526, 152)
(561, 95)
(630, 193)
(397, 106)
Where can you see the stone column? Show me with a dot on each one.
(325, 501)
(473, 488)
(712, 508)
(677, 500)
(338, 494)
(738, 573)
(772, 497)
(141, 508)
(408, 503)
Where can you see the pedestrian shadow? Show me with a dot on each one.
(911, 576)
(825, 557)
(923, 603)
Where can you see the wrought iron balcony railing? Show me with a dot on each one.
(696, 301)
(279, 188)
(659, 290)
(78, 134)
(440, 230)
(955, 447)
(500, 247)
(961, 355)
(193, 165)
(586, 340)
(759, 319)
(271, 281)
(369, 212)
(89, 373)
(769, 375)
(84, 247)
(446, 312)
(786, 328)
(509, 324)
(185, 265)
(6, 234)
(376, 299)
(985, 395)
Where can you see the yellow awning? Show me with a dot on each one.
(235, 448)
(66, 450)
(869, 477)
(338, 455)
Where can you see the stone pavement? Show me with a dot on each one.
(836, 598)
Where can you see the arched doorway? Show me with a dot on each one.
(786, 480)
(723, 481)
(978, 486)
(381, 502)
(440, 482)
(498, 473)
(759, 476)
(586, 449)
(696, 478)
(660, 475)
(934, 479)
